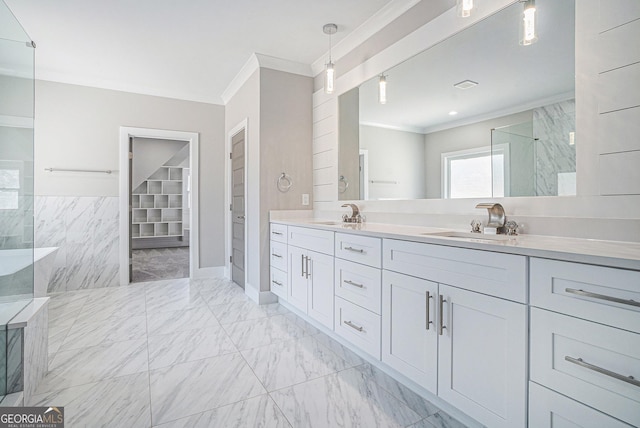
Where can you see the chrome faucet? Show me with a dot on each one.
(497, 218)
(355, 214)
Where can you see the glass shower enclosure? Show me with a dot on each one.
(16, 188)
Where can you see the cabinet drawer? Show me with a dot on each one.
(359, 326)
(594, 293)
(495, 274)
(588, 362)
(360, 249)
(311, 239)
(279, 283)
(358, 284)
(278, 255)
(278, 232)
(548, 409)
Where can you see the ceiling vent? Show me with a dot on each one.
(466, 84)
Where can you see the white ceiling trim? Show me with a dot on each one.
(371, 26)
(257, 61)
(81, 80)
(414, 129)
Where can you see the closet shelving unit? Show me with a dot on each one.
(157, 205)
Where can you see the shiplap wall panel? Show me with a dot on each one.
(619, 88)
(325, 147)
(619, 131)
(324, 176)
(614, 13)
(322, 111)
(620, 173)
(324, 193)
(619, 46)
(324, 143)
(323, 127)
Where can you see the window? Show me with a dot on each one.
(474, 173)
(10, 179)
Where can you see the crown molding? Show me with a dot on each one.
(257, 61)
(371, 26)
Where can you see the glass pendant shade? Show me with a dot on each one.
(329, 78)
(464, 8)
(528, 34)
(382, 89)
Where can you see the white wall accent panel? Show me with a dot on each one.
(619, 46)
(324, 193)
(324, 143)
(323, 127)
(620, 173)
(618, 131)
(327, 109)
(324, 175)
(619, 89)
(617, 12)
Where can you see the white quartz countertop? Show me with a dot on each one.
(618, 254)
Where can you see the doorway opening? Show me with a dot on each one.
(158, 205)
(237, 206)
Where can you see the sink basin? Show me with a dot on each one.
(468, 236)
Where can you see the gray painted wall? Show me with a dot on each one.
(78, 127)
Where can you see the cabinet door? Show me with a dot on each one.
(409, 335)
(297, 278)
(482, 357)
(320, 300)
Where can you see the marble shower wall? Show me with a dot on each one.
(87, 232)
(554, 155)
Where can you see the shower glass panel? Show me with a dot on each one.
(540, 154)
(16, 185)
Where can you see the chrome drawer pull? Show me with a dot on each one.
(276, 233)
(277, 283)
(276, 255)
(428, 309)
(355, 250)
(353, 326)
(602, 297)
(355, 284)
(582, 363)
(442, 326)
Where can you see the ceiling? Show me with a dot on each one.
(511, 78)
(190, 50)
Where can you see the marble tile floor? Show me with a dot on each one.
(199, 353)
(155, 264)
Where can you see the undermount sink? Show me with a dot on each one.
(468, 236)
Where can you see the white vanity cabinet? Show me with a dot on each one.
(585, 341)
(279, 279)
(310, 269)
(468, 347)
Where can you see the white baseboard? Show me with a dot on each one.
(260, 297)
(210, 272)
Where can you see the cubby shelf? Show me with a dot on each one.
(157, 205)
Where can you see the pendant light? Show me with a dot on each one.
(329, 72)
(528, 33)
(382, 89)
(464, 8)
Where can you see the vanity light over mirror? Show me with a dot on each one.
(476, 115)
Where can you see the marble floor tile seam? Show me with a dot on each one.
(313, 379)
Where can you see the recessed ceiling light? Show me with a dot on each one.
(465, 84)
(453, 113)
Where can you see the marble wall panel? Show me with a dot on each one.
(86, 230)
(36, 351)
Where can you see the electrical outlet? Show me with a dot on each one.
(305, 199)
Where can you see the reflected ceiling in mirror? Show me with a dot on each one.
(397, 150)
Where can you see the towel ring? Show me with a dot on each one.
(345, 184)
(284, 182)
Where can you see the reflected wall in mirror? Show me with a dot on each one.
(477, 115)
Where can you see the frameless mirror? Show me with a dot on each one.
(477, 115)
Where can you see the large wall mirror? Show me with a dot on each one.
(477, 115)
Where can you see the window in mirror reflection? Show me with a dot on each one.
(468, 173)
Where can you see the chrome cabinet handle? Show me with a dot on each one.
(355, 284)
(580, 362)
(353, 326)
(276, 255)
(441, 326)
(240, 217)
(308, 274)
(277, 283)
(302, 265)
(277, 233)
(355, 250)
(602, 297)
(428, 309)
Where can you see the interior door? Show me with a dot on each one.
(237, 208)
